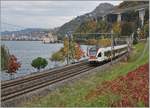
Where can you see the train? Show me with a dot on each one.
(98, 55)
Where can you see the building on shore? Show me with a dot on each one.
(49, 38)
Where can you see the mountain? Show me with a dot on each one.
(102, 9)
(25, 31)
(72, 25)
(99, 11)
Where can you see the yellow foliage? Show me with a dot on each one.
(70, 50)
(117, 28)
(142, 36)
(104, 42)
(92, 41)
(66, 46)
(78, 52)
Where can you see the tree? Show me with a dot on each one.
(127, 28)
(102, 26)
(91, 41)
(39, 63)
(86, 27)
(57, 56)
(4, 57)
(135, 40)
(146, 30)
(92, 26)
(78, 52)
(70, 52)
(13, 65)
(117, 28)
(141, 34)
(66, 49)
(104, 42)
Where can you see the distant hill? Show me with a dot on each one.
(24, 31)
(72, 25)
(27, 32)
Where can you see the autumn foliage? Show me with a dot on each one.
(91, 41)
(66, 47)
(13, 65)
(78, 52)
(132, 88)
(93, 26)
(104, 42)
(71, 51)
(117, 28)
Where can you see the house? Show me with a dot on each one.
(49, 38)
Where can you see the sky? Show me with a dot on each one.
(43, 14)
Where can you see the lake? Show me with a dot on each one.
(26, 51)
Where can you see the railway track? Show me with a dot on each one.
(18, 87)
(10, 83)
(22, 86)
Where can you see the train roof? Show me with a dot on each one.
(115, 47)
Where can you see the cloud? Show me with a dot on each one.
(37, 22)
(48, 8)
(45, 14)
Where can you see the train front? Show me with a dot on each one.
(92, 55)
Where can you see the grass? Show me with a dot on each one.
(73, 95)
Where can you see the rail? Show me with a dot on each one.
(19, 87)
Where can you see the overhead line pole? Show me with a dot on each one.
(112, 46)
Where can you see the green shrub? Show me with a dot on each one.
(135, 40)
(39, 63)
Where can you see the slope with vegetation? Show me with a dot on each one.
(76, 22)
(98, 12)
(70, 52)
(127, 4)
(76, 94)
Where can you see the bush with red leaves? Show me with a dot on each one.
(132, 88)
(13, 65)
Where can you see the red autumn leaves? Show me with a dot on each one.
(13, 64)
(132, 88)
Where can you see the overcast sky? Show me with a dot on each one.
(43, 14)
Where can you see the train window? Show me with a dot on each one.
(108, 53)
(93, 51)
(105, 53)
(114, 52)
(100, 54)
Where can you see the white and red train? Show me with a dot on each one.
(97, 55)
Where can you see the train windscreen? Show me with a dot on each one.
(92, 51)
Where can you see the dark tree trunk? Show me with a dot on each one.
(11, 76)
